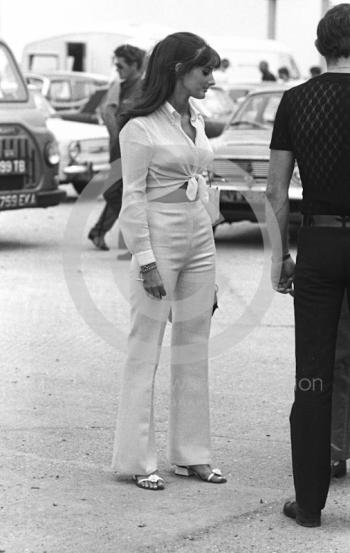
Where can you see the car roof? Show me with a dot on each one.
(276, 87)
(76, 74)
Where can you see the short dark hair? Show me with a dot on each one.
(333, 33)
(284, 71)
(131, 54)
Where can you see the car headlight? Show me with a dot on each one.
(52, 154)
(74, 150)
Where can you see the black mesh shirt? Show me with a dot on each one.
(313, 121)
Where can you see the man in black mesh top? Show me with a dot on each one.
(312, 127)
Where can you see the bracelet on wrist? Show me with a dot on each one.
(147, 268)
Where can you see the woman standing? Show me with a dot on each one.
(164, 152)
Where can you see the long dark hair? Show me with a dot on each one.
(183, 48)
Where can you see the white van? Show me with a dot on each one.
(245, 54)
(89, 52)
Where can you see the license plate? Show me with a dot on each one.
(15, 201)
(12, 167)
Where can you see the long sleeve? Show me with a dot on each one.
(136, 154)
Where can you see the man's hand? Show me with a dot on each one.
(153, 284)
(282, 275)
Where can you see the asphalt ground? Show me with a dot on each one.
(62, 355)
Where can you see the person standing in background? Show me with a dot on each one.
(120, 97)
(315, 71)
(283, 74)
(266, 74)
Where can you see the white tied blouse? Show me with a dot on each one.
(157, 158)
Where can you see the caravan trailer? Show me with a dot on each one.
(90, 52)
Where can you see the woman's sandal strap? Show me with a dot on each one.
(215, 472)
(153, 479)
(189, 471)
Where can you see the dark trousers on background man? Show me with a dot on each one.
(110, 213)
(322, 275)
(108, 217)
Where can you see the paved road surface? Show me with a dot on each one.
(63, 327)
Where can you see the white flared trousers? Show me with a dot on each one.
(183, 244)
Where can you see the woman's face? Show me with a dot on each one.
(197, 81)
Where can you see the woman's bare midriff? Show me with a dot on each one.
(178, 195)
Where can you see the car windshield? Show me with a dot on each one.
(12, 88)
(259, 110)
(41, 103)
(63, 90)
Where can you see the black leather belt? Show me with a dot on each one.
(340, 221)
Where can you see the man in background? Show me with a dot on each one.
(120, 96)
(315, 71)
(266, 74)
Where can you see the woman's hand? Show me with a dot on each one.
(153, 284)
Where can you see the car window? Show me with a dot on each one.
(12, 89)
(35, 81)
(41, 103)
(215, 102)
(60, 91)
(236, 93)
(259, 109)
(81, 90)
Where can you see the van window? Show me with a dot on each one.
(41, 63)
(12, 87)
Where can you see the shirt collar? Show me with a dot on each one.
(169, 108)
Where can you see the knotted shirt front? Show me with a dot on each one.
(158, 157)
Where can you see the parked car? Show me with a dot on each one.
(241, 158)
(67, 90)
(90, 111)
(29, 155)
(217, 109)
(84, 148)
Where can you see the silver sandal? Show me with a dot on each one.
(215, 476)
(152, 478)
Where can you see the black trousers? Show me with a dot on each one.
(110, 212)
(340, 440)
(321, 278)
